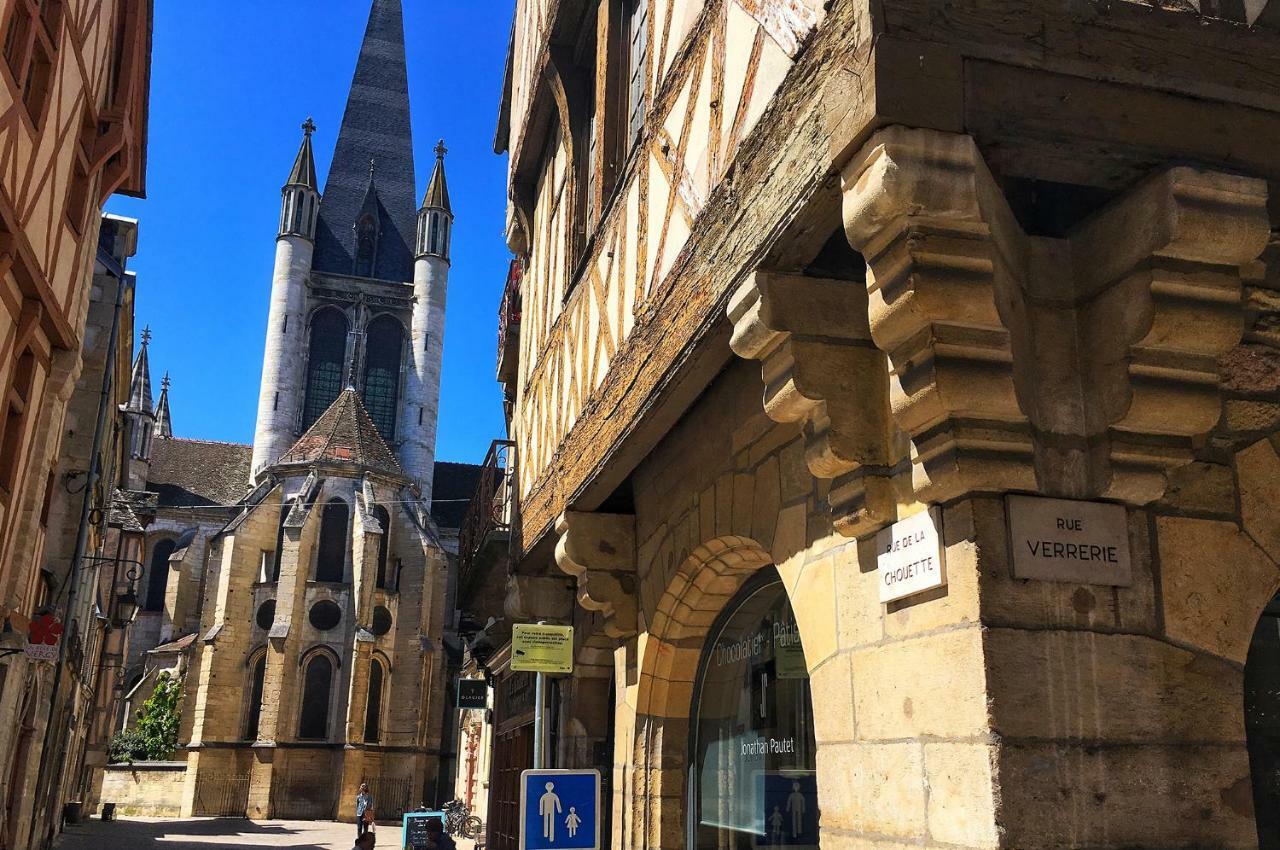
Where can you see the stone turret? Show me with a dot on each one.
(163, 428)
(281, 392)
(140, 417)
(430, 285)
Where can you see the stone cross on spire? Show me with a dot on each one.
(441, 150)
(308, 126)
(146, 335)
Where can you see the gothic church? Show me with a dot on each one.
(299, 586)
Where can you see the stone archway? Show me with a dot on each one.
(668, 654)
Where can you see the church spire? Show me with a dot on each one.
(304, 167)
(300, 202)
(164, 422)
(435, 218)
(437, 196)
(140, 385)
(375, 127)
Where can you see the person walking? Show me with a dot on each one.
(364, 806)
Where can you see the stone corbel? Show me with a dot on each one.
(1166, 259)
(821, 369)
(942, 252)
(599, 550)
(533, 598)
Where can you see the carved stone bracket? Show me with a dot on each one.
(984, 359)
(599, 550)
(821, 369)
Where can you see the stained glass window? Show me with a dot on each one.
(317, 683)
(324, 372)
(382, 374)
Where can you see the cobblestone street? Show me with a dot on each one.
(224, 833)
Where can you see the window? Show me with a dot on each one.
(331, 560)
(382, 373)
(384, 520)
(366, 246)
(30, 45)
(373, 708)
(158, 575)
(636, 18)
(317, 683)
(15, 420)
(752, 689)
(257, 676)
(324, 367)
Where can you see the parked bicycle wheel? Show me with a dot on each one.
(472, 827)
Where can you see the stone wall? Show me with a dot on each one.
(152, 789)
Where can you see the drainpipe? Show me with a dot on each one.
(77, 555)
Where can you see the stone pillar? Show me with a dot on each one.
(422, 383)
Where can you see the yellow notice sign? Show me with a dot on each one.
(541, 649)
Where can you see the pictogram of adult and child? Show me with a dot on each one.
(550, 808)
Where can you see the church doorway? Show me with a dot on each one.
(753, 778)
(1262, 723)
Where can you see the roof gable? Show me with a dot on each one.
(344, 434)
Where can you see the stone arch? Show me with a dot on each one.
(255, 682)
(156, 582)
(310, 720)
(702, 584)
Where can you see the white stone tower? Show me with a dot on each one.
(280, 395)
(430, 287)
(358, 295)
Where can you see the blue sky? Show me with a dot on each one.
(232, 83)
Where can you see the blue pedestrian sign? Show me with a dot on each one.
(560, 810)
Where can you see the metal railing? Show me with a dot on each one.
(492, 507)
(509, 315)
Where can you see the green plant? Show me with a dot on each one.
(155, 736)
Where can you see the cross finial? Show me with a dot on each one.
(308, 126)
(146, 335)
(441, 150)
(164, 384)
(372, 165)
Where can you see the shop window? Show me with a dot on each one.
(328, 350)
(317, 684)
(373, 709)
(382, 373)
(752, 744)
(30, 46)
(331, 559)
(384, 520)
(257, 676)
(1262, 724)
(158, 575)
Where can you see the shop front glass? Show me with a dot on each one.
(753, 782)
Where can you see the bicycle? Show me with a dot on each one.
(458, 820)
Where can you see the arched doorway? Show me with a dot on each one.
(753, 762)
(1262, 723)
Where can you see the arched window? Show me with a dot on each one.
(317, 682)
(373, 708)
(158, 575)
(324, 366)
(257, 675)
(331, 560)
(384, 520)
(366, 246)
(382, 373)
(753, 685)
(1262, 723)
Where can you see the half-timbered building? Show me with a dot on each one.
(895, 394)
(74, 86)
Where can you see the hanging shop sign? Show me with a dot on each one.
(909, 556)
(42, 638)
(542, 649)
(473, 694)
(1070, 541)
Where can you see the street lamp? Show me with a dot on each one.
(126, 608)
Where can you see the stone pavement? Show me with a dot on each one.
(217, 834)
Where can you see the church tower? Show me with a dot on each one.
(358, 293)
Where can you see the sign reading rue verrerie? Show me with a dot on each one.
(541, 649)
(1069, 541)
(909, 556)
(560, 810)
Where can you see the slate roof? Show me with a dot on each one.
(375, 127)
(438, 189)
(344, 434)
(304, 167)
(192, 473)
(452, 487)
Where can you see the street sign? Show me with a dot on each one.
(541, 649)
(473, 693)
(560, 810)
(910, 557)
